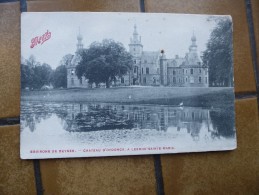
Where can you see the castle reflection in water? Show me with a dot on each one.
(94, 117)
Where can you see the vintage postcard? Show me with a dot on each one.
(109, 84)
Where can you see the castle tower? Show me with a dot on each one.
(135, 46)
(192, 56)
(163, 69)
(79, 44)
(72, 79)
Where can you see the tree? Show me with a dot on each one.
(34, 75)
(218, 55)
(31, 62)
(66, 60)
(59, 77)
(26, 76)
(41, 76)
(103, 62)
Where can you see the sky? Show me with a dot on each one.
(170, 32)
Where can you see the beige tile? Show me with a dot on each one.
(85, 5)
(9, 59)
(17, 176)
(233, 172)
(110, 175)
(243, 68)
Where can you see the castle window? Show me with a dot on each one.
(174, 80)
(200, 71)
(206, 71)
(135, 62)
(142, 71)
(134, 49)
(183, 71)
(191, 80)
(186, 80)
(179, 80)
(154, 80)
(135, 69)
(122, 80)
(147, 70)
(72, 72)
(186, 71)
(173, 72)
(145, 80)
(199, 79)
(191, 71)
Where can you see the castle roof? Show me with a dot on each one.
(176, 62)
(75, 60)
(191, 60)
(150, 55)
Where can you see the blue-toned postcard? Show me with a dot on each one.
(111, 84)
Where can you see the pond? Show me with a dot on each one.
(85, 127)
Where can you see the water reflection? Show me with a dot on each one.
(209, 123)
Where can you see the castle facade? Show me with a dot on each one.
(151, 68)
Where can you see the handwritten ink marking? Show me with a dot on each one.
(40, 39)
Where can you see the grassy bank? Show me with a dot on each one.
(144, 95)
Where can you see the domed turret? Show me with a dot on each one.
(193, 46)
(79, 37)
(193, 38)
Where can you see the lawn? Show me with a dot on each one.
(192, 96)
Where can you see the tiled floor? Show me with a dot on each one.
(235, 172)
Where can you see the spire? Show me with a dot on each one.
(135, 29)
(79, 41)
(193, 46)
(135, 46)
(79, 36)
(193, 37)
(136, 38)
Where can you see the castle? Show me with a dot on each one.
(151, 68)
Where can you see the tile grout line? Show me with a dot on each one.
(37, 175)
(249, 16)
(158, 174)
(142, 5)
(9, 121)
(23, 5)
(8, 1)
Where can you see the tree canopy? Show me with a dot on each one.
(103, 61)
(35, 75)
(218, 55)
(59, 75)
